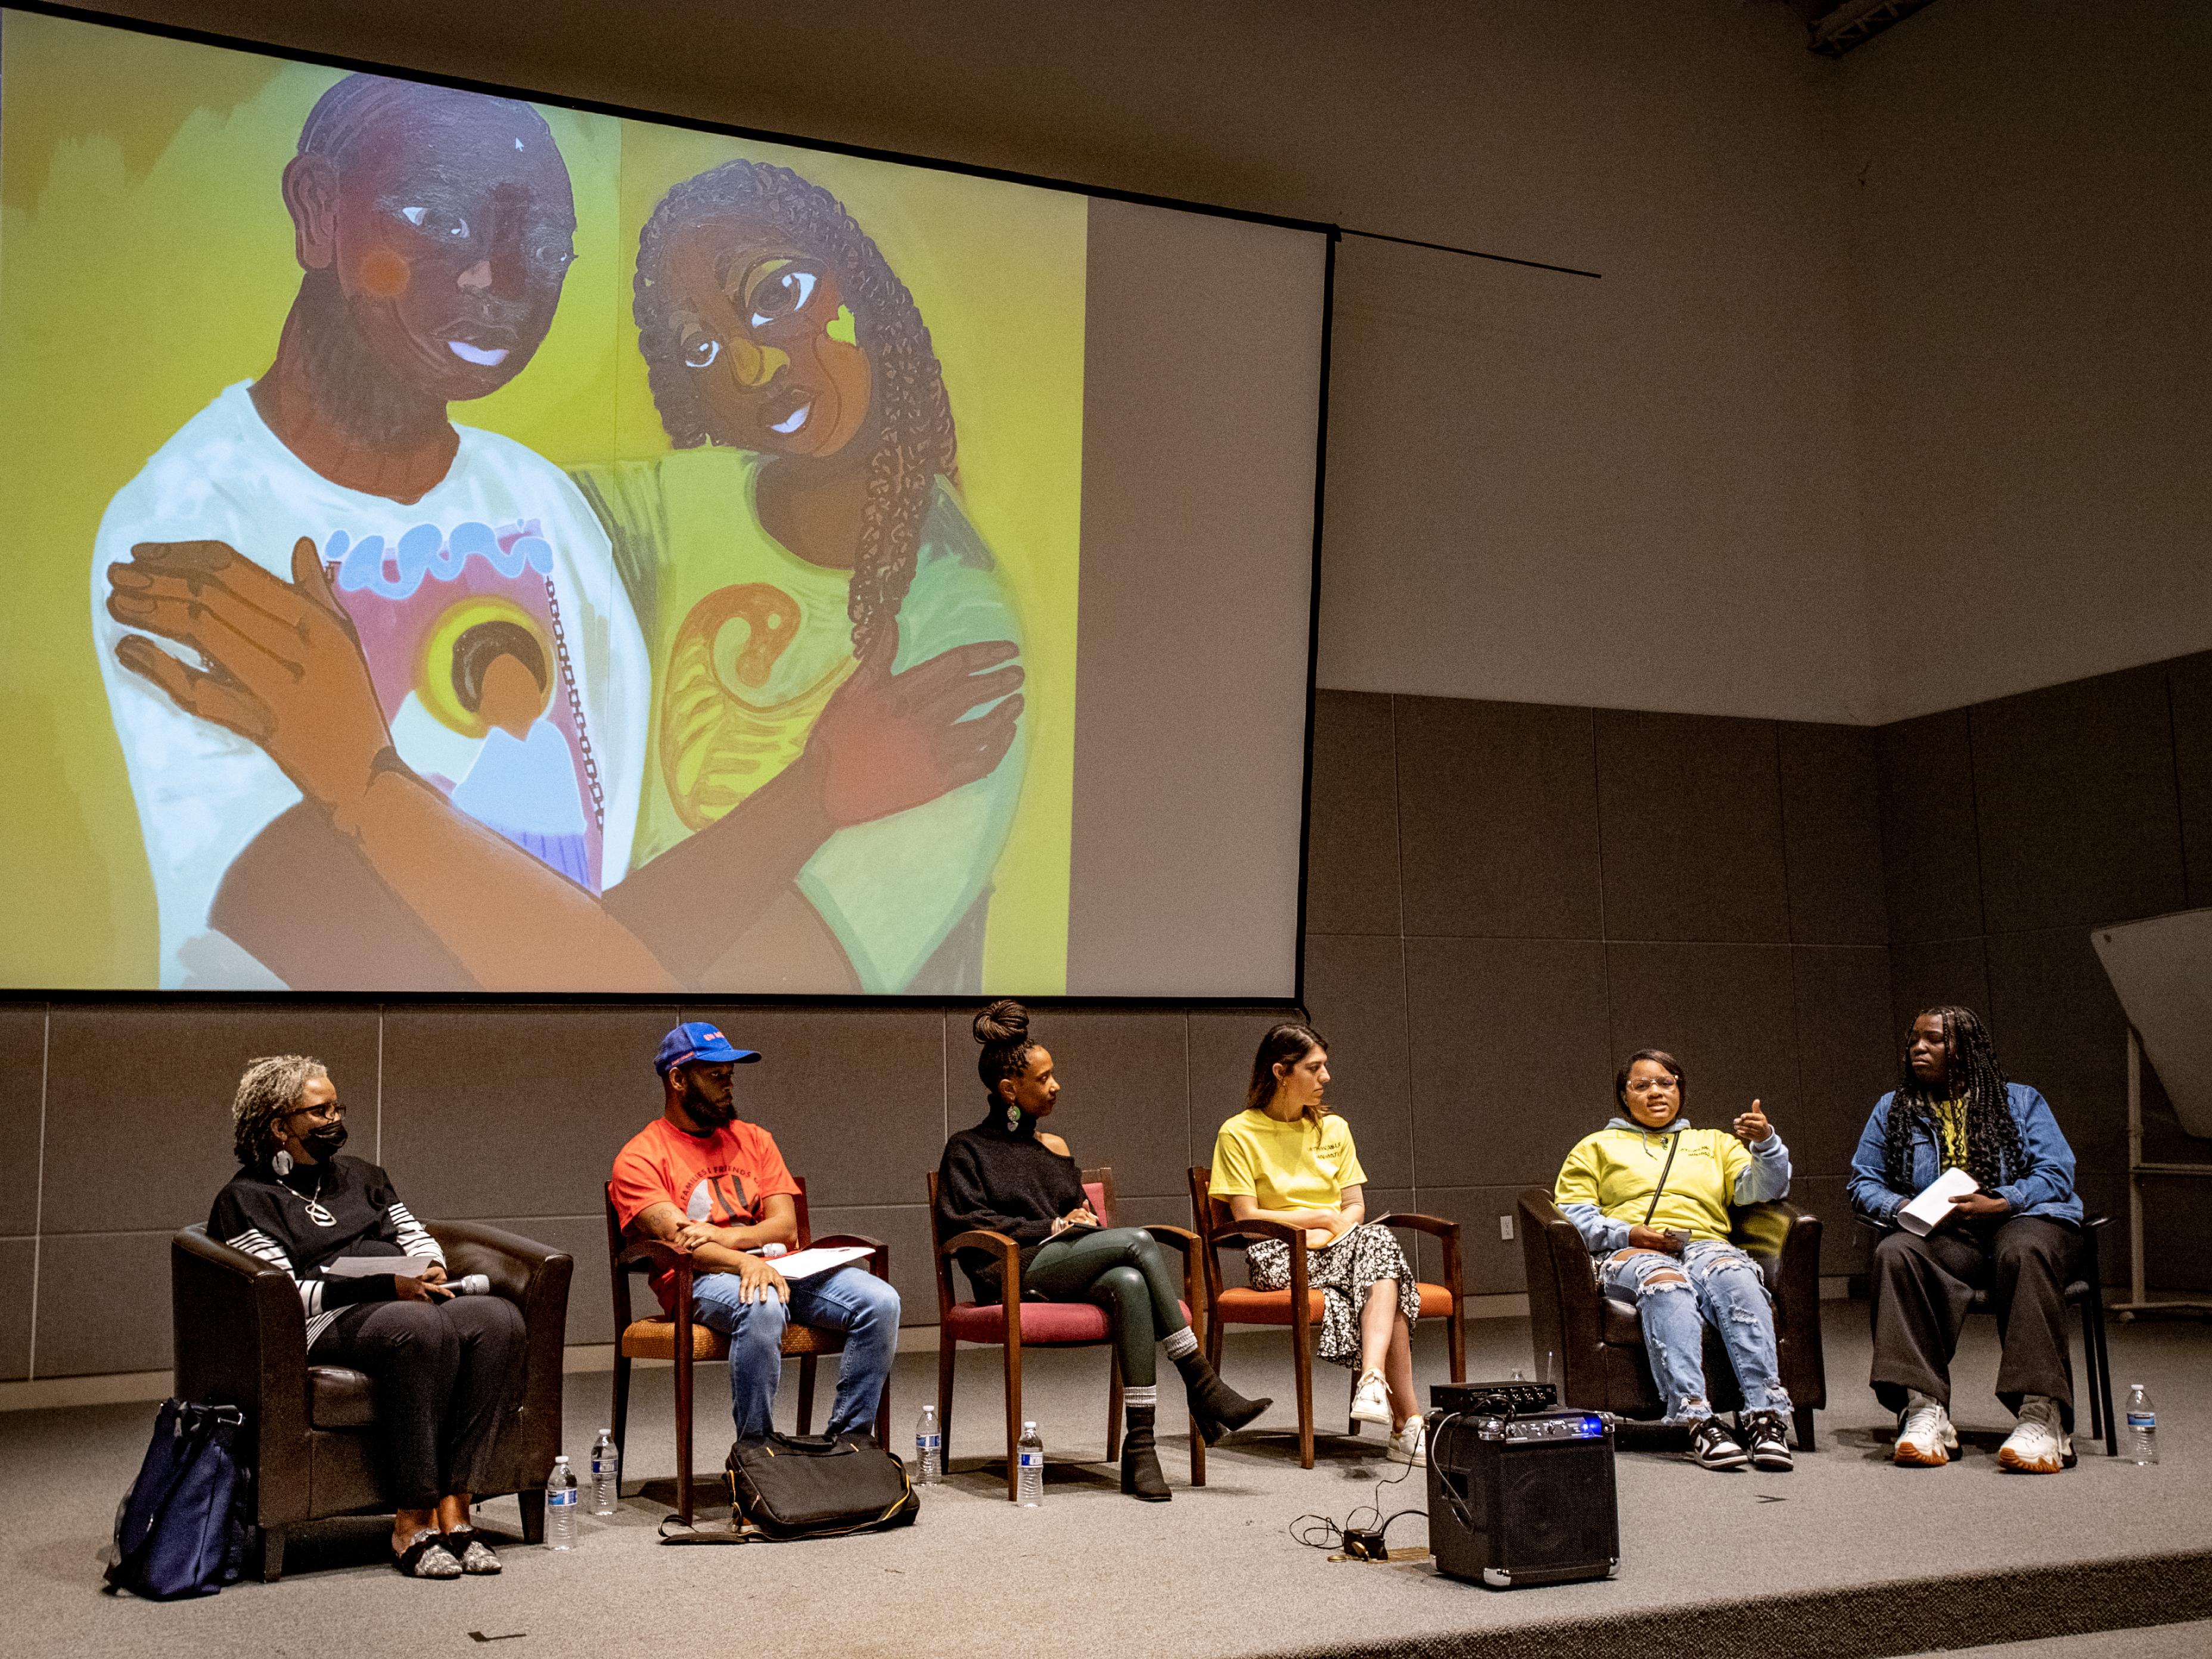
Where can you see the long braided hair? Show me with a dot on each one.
(911, 417)
(1993, 1148)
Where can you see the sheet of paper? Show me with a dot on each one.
(804, 1264)
(371, 1267)
(1926, 1211)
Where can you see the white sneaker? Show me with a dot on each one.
(1370, 1401)
(1411, 1444)
(2037, 1445)
(1927, 1438)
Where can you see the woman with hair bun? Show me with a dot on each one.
(1010, 1176)
(1287, 1158)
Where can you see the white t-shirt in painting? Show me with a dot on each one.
(501, 524)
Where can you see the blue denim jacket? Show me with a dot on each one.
(2044, 1188)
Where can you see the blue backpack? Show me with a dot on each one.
(181, 1530)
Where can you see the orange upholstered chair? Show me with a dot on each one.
(1011, 1323)
(1299, 1308)
(666, 1336)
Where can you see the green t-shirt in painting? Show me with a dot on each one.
(748, 642)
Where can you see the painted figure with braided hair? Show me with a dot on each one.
(2014, 1236)
(811, 585)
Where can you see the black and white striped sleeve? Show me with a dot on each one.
(254, 1241)
(410, 1235)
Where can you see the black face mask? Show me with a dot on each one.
(323, 1141)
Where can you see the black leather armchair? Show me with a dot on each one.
(1598, 1341)
(241, 1341)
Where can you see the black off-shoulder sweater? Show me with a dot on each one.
(1005, 1180)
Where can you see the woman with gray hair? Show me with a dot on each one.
(447, 1370)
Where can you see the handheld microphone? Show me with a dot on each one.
(470, 1285)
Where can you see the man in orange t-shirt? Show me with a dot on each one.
(698, 1179)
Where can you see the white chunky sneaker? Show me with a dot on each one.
(1927, 1438)
(2037, 1445)
(1411, 1444)
(1370, 1401)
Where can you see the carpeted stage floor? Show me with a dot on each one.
(1847, 1556)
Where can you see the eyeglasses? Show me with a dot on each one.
(333, 1113)
(1651, 1085)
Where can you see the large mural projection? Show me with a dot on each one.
(528, 551)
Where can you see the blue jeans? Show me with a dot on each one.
(850, 1299)
(1710, 1283)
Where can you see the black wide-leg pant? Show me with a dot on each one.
(447, 1375)
(1922, 1288)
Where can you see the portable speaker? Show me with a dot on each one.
(1522, 1500)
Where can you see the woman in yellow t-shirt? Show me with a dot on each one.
(1287, 1158)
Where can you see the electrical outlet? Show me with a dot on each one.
(1505, 1228)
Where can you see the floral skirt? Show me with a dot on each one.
(1342, 1273)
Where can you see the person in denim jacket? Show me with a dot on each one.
(1650, 1196)
(2014, 1237)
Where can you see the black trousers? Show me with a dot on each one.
(1921, 1288)
(447, 1375)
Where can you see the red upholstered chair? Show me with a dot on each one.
(666, 1336)
(1299, 1308)
(1012, 1324)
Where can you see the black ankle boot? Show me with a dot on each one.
(1141, 1460)
(1216, 1406)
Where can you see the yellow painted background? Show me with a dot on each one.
(146, 262)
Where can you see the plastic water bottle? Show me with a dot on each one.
(607, 1474)
(560, 1496)
(2142, 1425)
(1028, 1460)
(928, 1448)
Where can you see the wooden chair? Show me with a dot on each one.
(1599, 1339)
(1011, 1323)
(677, 1336)
(241, 1340)
(1299, 1307)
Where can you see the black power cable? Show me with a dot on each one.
(1317, 1531)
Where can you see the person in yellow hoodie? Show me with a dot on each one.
(1650, 1196)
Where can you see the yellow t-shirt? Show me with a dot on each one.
(1951, 1131)
(1286, 1166)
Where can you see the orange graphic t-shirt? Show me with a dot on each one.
(723, 1178)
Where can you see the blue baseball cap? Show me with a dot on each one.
(697, 1040)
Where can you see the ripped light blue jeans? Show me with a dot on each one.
(1710, 1283)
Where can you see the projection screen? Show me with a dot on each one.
(464, 544)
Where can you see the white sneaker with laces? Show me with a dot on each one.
(1928, 1438)
(1370, 1401)
(1411, 1444)
(2037, 1445)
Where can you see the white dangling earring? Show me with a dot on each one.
(282, 1163)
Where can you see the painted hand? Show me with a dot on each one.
(885, 742)
(286, 669)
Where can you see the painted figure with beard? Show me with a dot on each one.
(701, 1180)
(308, 792)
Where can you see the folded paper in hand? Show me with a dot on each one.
(1927, 1212)
(371, 1266)
(804, 1264)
